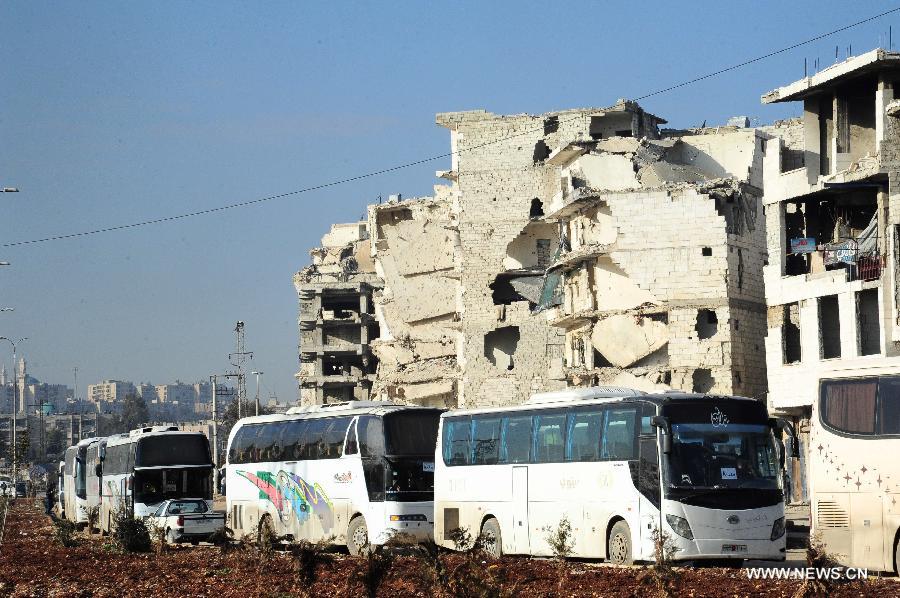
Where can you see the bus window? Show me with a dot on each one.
(889, 405)
(370, 433)
(411, 433)
(335, 432)
(849, 405)
(549, 441)
(314, 439)
(293, 440)
(584, 436)
(619, 434)
(352, 447)
(187, 449)
(457, 440)
(486, 441)
(516, 445)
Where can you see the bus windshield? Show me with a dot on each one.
(736, 456)
(155, 485)
(80, 480)
(173, 449)
(411, 433)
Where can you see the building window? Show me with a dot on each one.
(829, 327)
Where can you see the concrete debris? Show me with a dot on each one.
(622, 340)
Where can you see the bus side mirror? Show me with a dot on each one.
(98, 470)
(102, 453)
(658, 421)
(781, 455)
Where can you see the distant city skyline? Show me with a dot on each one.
(117, 113)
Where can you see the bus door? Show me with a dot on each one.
(521, 544)
(648, 485)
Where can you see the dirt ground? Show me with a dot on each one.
(33, 563)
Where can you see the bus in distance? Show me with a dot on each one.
(75, 482)
(618, 464)
(356, 472)
(142, 468)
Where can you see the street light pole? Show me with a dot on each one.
(258, 374)
(15, 406)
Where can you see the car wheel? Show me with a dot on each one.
(490, 538)
(618, 546)
(357, 536)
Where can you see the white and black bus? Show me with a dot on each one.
(355, 472)
(144, 467)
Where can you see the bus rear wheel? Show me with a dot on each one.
(357, 536)
(618, 545)
(490, 538)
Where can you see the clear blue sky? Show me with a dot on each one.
(116, 112)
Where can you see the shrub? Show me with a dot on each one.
(561, 544)
(93, 518)
(817, 557)
(308, 556)
(131, 535)
(661, 574)
(65, 532)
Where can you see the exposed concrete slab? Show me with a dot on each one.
(625, 339)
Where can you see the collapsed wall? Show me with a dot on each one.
(415, 244)
(661, 273)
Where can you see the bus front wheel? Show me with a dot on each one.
(490, 538)
(357, 536)
(618, 546)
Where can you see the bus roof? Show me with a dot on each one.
(135, 435)
(333, 409)
(597, 395)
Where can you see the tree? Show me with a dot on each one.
(56, 441)
(134, 412)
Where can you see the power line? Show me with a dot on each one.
(432, 158)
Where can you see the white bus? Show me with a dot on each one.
(355, 472)
(592, 456)
(146, 466)
(853, 471)
(75, 482)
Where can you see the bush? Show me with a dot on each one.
(661, 574)
(65, 532)
(561, 544)
(308, 556)
(93, 518)
(131, 534)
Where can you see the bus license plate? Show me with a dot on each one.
(428, 466)
(733, 548)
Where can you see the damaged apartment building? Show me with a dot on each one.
(337, 318)
(659, 274)
(576, 247)
(832, 202)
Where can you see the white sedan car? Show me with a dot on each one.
(186, 520)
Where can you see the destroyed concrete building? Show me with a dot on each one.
(659, 273)
(832, 214)
(415, 245)
(337, 318)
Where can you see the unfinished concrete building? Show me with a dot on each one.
(659, 276)
(337, 318)
(415, 244)
(832, 206)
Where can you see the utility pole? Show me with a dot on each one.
(80, 408)
(258, 374)
(237, 360)
(15, 409)
(215, 426)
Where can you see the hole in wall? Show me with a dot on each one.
(551, 125)
(537, 208)
(702, 380)
(706, 251)
(707, 323)
(500, 346)
(541, 151)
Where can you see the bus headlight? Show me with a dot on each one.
(409, 518)
(680, 526)
(778, 528)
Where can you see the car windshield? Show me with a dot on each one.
(707, 456)
(184, 507)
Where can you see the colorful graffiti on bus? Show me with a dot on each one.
(292, 496)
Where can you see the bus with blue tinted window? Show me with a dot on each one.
(618, 464)
(354, 473)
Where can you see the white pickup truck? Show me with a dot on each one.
(187, 520)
